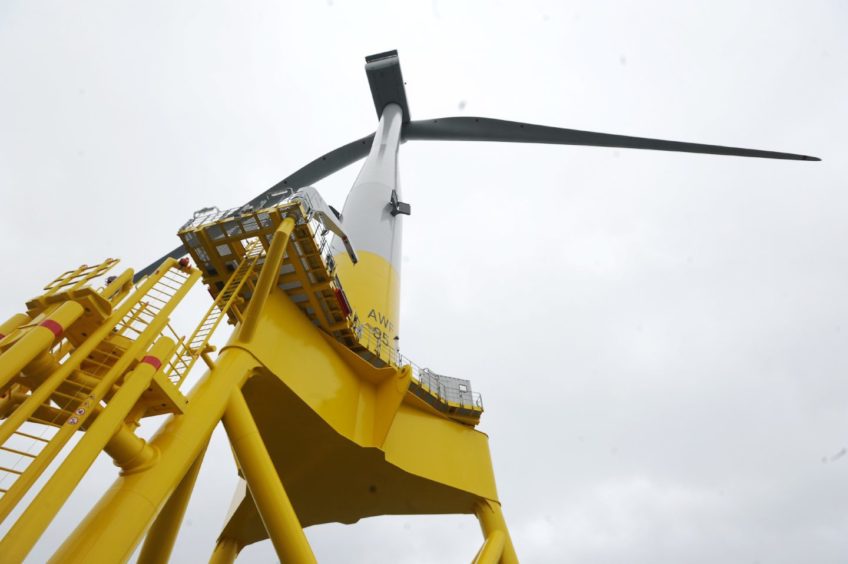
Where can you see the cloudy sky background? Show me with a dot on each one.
(660, 339)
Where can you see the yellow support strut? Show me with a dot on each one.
(163, 534)
(496, 534)
(115, 525)
(492, 549)
(46, 388)
(51, 449)
(25, 533)
(226, 551)
(267, 278)
(13, 323)
(37, 340)
(265, 486)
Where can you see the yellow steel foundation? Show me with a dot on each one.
(12, 323)
(496, 534)
(226, 551)
(163, 534)
(23, 535)
(80, 353)
(116, 524)
(492, 549)
(267, 279)
(129, 451)
(273, 503)
(36, 340)
(360, 443)
(373, 287)
(114, 527)
(100, 390)
(327, 421)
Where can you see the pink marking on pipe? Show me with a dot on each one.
(53, 326)
(152, 361)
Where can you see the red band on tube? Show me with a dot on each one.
(52, 326)
(152, 361)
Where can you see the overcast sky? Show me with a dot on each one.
(660, 339)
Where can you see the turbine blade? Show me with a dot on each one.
(144, 272)
(486, 129)
(322, 167)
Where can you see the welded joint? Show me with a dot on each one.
(492, 549)
(130, 452)
(226, 551)
(267, 278)
(204, 356)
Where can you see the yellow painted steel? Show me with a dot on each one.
(38, 515)
(373, 288)
(197, 344)
(81, 352)
(163, 534)
(492, 549)
(129, 451)
(426, 464)
(36, 340)
(226, 551)
(323, 429)
(12, 323)
(493, 525)
(87, 401)
(267, 278)
(115, 525)
(77, 278)
(273, 503)
(119, 287)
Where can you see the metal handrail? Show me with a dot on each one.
(387, 353)
(393, 357)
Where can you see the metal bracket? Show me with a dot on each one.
(399, 207)
(328, 218)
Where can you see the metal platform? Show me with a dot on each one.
(219, 241)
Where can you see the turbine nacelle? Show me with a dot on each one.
(386, 82)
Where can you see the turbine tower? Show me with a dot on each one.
(327, 421)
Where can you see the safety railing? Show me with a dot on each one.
(247, 221)
(375, 341)
(78, 277)
(380, 350)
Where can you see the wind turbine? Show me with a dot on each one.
(374, 202)
(328, 422)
